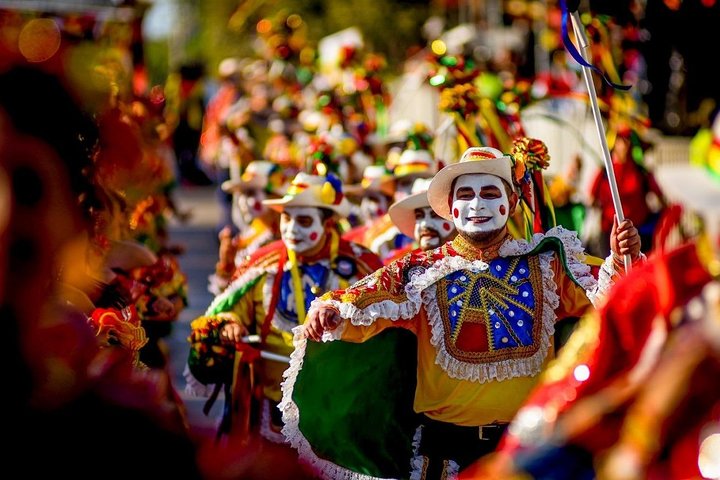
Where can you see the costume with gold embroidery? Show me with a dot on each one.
(266, 303)
(483, 321)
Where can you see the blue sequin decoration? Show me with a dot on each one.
(508, 300)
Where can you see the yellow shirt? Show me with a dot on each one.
(466, 402)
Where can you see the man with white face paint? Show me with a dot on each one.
(381, 235)
(272, 290)
(414, 216)
(257, 224)
(483, 309)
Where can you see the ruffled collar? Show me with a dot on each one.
(471, 251)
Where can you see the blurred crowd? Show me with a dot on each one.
(317, 175)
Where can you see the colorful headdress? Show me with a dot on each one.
(522, 170)
(313, 191)
(530, 158)
(416, 159)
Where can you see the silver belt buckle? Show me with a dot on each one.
(480, 433)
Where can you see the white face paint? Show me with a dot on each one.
(301, 228)
(250, 204)
(480, 204)
(373, 205)
(431, 230)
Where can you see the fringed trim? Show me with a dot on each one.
(251, 274)
(504, 369)
(193, 387)
(409, 308)
(265, 425)
(324, 469)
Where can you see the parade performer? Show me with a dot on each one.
(375, 194)
(416, 161)
(258, 225)
(635, 184)
(633, 393)
(414, 216)
(271, 293)
(482, 310)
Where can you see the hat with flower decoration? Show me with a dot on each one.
(416, 159)
(486, 160)
(313, 191)
(521, 170)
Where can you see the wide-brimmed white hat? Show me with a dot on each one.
(416, 162)
(691, 186)
(259, 174)
(376, 178)
(475, 160)
(402, 212)
(313, 191)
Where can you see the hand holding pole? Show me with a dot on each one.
(587, 75)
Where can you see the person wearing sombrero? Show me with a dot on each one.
(482, 309)
(634, 392)
(257, 224)
(269, 296)
(414, 217)
(415, 162)
(374, 194)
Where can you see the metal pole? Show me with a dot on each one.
(263, 353)
(587, 75)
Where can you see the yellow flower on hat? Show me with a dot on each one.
(327, 193)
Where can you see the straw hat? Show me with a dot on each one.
(376, 178)
(475, 160)
(259, 174)
(313, 191)
(402, 212)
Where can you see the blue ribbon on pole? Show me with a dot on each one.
(577, 56)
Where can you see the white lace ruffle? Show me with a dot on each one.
(417, 463)
(193, 387)
(324, 469)
(504, 369)
(421, 291)
(606, 279)
(411, 306)
(574, 255)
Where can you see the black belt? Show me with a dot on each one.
(461, 443)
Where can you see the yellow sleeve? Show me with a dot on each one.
(360, 333)
(573, 299)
